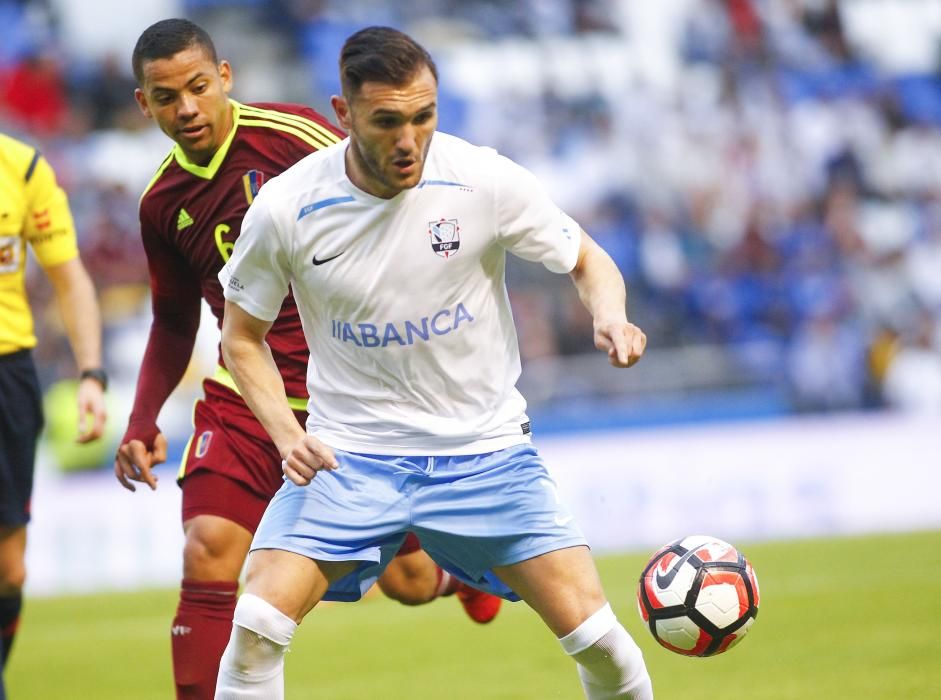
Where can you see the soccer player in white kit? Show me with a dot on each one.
(394, 243)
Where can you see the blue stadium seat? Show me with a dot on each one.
(919, 97)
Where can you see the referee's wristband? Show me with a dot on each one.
(96, 373)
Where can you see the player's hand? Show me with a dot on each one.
(91, 410)
(134, 462)
(307, 457)
(623, 341)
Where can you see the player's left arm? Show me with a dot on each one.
(601, 288)
(78, 307)
(51, 233)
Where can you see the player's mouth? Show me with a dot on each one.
(194, 133)
(405, 166)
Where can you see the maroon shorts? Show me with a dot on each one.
(209, 493)
(411, 544)
(232, 447)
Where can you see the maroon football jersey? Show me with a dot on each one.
(191, 215)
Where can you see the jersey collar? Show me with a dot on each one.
(209, 171)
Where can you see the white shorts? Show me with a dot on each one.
(471, 513)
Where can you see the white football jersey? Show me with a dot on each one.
(403, 300)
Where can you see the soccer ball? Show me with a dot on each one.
(698, 596)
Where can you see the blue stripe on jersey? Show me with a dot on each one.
(439, 183)
(311, 208)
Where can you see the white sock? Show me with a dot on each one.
(610, 664)
(252, 666)
(443, 584)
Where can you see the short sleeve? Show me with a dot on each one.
(49, 228)
(257, 276)
(529, 224)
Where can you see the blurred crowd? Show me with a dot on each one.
(765, 184)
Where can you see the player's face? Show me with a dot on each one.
(390, 130)
(187, 95)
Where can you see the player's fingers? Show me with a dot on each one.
(603, 342)
(101, 417)
(638, 345)
(613, 357)
(94, 418)
(300, 475)
(148, 477)
(142, 474)
(613, 340)
(311, 454)
(136, 453)
(322, 453)
(141, 460)
(622, 341)
(121, 475)
(124, 468)
(159, 455)
(82, 421)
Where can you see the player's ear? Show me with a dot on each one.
(225, 73)
(142, 102)
(342, 109)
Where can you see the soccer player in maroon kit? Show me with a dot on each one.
(190, 216)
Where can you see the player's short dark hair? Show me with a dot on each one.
(167, 38)
(382, 55)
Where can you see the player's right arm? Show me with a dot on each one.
(249, 359)
(255, 280)
(175, 298)
(602, 290)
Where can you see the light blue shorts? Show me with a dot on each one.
(471, 513)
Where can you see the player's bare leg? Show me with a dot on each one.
(12, 577)
(563, 587)
(415, 579)
(281, 588)
(213, 554)
(411, 579)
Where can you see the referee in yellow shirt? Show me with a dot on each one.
(34, 210)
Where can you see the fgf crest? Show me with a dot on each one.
(445, 236)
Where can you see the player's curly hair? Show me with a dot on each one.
(382, 55)
(167, 38)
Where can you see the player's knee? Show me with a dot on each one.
(260, 636)
(407, 591)
(409, 582)
(12, 578)
(197, 552)
(610, 663)
(253, 663)
(209, 554)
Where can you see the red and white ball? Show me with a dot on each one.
(698, 596)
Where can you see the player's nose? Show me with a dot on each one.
(406, 141)
(187, 106)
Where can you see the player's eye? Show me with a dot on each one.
(423, 117)
(199, 88)
(385, 122)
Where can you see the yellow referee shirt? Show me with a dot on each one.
(34, 210)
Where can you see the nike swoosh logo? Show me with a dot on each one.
(326, 260)
(664, 580)
(563, 521)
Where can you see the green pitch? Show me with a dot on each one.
(839, 618)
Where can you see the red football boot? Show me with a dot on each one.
(480, 607)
